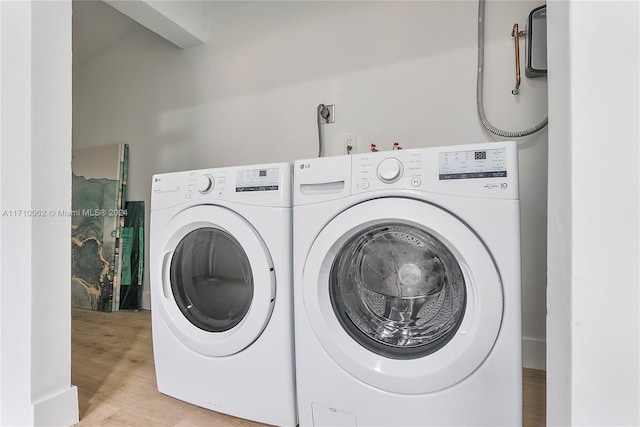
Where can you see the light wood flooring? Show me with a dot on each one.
(112, 366)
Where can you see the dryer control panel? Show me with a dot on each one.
(258, 185)
(261, 179)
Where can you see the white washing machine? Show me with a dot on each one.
(221, 290)
(407, 288)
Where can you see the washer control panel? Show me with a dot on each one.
(471, 164)
(467, 170)
(396, 169)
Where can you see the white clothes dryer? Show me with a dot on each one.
(407, 288)
(221, 290)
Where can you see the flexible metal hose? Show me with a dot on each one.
(480, 88)
(320, 111)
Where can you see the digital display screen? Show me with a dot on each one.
(257, 180)
(491, 163)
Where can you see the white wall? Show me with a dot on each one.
(15, 246)
(593, 375)
(35, 167)
(396, 71)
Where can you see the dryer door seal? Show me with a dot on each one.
(475, 323)
(216, 286)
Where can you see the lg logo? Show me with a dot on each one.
(304, 166)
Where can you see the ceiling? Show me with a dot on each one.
(95, 26)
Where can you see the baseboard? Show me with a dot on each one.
(534, 353)
(146, 300)
(58, 410)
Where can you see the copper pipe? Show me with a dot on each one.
(517, 34)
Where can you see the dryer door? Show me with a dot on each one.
(217, 282)
(403, 295)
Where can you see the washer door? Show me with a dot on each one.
(402, 295)
(218, 283)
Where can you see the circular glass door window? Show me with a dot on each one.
(397, 290)
(211, 279)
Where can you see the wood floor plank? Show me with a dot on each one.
(112, 366)
(534, 398)
(204, 417)
(128, 418)
(97, 413)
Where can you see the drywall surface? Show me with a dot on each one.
(559, 292)
(35, 168)
(15, 245)
(396, 71)
(593, 375)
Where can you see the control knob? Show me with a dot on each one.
(390, 170)
(205, 184)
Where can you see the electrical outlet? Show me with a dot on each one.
(331, 117)
(350, 143)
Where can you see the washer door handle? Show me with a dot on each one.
(166, 275)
